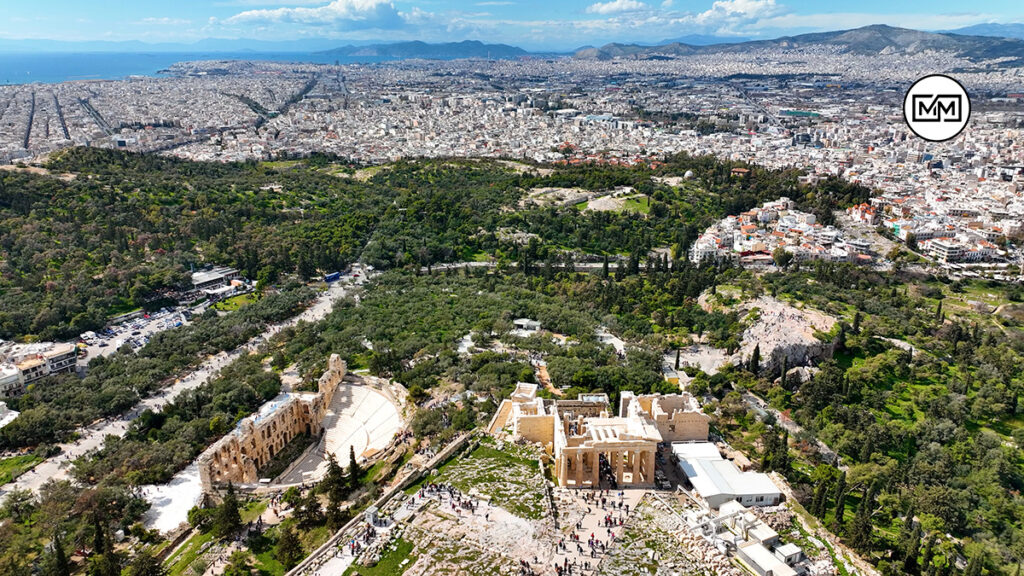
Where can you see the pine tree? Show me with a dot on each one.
(355, 473)
(288, 550)
(228, 519)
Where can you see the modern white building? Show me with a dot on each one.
(215, 278)
(718, 480)
(22, 364)
(10, 381)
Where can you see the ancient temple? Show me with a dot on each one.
(587, 442)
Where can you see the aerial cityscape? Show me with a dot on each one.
(384, 288)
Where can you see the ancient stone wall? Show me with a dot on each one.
(240, 455)
(535, 428)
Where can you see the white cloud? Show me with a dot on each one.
(496, 3)
(340, 14)
(667, 4)
(616, 7)
(735, 12)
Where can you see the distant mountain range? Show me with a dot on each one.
(869, 40)
(995, 30)
(974, 42)
(446, 51)
(701, 40)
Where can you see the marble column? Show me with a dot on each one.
(649, 467)
(618, 467)
(578, 465)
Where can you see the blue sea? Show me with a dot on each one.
(25, 68)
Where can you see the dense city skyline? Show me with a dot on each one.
(531, 24)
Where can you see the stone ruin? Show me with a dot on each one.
(239, 456)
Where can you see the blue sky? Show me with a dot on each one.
(535, 24)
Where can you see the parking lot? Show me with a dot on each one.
(136, 331)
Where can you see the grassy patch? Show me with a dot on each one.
(638, 204)
(11, 468)
(253, 510)
(235, 302)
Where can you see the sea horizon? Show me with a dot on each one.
(19, 68)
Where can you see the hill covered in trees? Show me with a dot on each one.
(121, 231)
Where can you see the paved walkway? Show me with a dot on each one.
(582, 516)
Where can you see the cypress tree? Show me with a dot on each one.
(755, 358)
(99, 541)
(355, 473)
(860, 530)
(58, 559)
(820, 495)
(334, 482)
(840, 503)
(929, 551)
(782, 460)
(911, 550)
